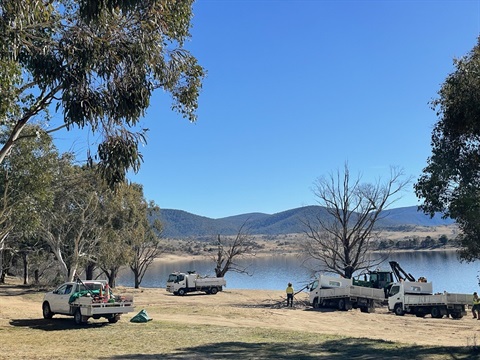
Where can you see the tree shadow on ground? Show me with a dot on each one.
(54, 324)
(347, 348)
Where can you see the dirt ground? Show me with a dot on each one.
(265, 309)
(259, 308)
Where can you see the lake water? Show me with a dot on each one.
(442, 268)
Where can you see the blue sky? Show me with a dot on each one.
(294, 90)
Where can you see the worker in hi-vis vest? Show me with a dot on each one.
(476, 306)
(289, 292)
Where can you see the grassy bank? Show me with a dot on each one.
(235, 324)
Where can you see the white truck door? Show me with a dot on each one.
(59, 302)
(395, 296)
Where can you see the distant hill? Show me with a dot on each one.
(181, 224)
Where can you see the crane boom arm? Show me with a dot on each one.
(399, 273)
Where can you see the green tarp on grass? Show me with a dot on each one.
(141, 317)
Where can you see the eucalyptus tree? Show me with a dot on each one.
(340, 239)
(450, 182)
(131, 238)
(114, 250)
(146, 246)
(144, 236)
(97, 64)
(71, 229)
(25, 182)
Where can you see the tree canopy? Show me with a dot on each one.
(97, 62)
(450, 183)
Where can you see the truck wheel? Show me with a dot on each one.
(213, 290)
(181, 292)
(436, 313)
(315, 304)
(341, 305)
(398, 310)
(78, 317)
(47, 313)
(367, 309)
(456, 315)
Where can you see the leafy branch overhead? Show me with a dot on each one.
(97, 63)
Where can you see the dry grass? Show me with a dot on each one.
(234, 324)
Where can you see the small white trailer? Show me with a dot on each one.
(411, 297)
(180, 283)
(328, 291)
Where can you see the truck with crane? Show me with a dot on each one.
(417, 298)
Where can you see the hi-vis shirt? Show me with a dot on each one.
(289, 290)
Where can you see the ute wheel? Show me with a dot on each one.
(213, 290)
(341, 305)
(398, 310)
(181, 292)
(436, 313)
(47, 313)
(113, 319)
(78, 317)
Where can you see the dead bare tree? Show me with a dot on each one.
(340, 239)
(230, 250)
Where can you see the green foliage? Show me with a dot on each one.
(25, 179)
(450, 182)
(97, 62)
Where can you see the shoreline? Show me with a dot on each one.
(178, 257)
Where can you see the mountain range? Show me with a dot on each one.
(181, 224)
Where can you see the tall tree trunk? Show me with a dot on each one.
(137, 280)
(89, 269)
(25, 267)
(111, 275)
(57, 251)
(2, 272)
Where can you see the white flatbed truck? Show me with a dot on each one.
(84, 300)
(411, 297)
(328, 291)
(180, 283)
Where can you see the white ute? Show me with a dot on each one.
(85, 299)
(180, 283)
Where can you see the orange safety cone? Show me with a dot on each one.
(107, 293)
